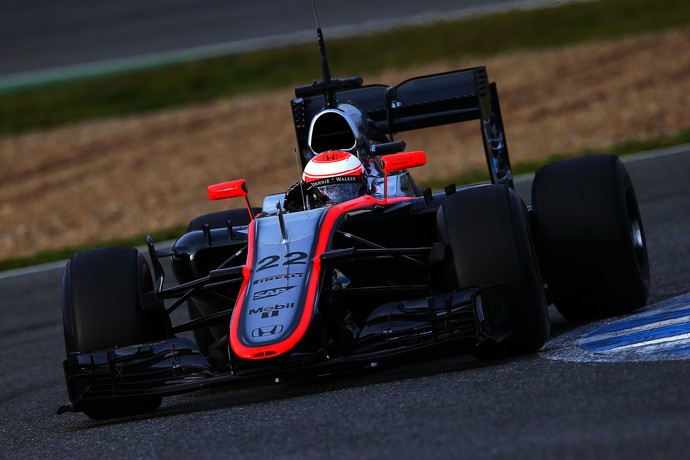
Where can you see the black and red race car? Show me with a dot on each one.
(356, 263)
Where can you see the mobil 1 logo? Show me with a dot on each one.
(271, 311)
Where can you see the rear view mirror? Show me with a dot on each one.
(400, 161)
(403, 160)
(232, 189)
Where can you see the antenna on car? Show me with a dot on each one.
(328, 85)
(325, 68)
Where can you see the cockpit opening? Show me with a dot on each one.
(331, 131)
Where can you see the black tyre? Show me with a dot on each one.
(103, 291)
(486, 229)
(204, 337)
(590, 237)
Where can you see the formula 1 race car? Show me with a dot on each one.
(356, 262)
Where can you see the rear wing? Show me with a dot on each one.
(421, 102)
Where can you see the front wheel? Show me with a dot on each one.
(103, 291)
(487, 232)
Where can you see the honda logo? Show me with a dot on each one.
(267, 330)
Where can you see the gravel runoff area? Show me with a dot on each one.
(100, 180)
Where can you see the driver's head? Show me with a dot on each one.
(339, 176)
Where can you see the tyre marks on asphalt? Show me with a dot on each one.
(659, 332)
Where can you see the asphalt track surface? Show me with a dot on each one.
(546, 405)
(47, 38)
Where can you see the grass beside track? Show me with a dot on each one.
(470, 177)
(135, 92)
(52, 105)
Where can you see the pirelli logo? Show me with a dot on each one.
(285, 276)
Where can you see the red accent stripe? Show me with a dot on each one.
(331, 156)
(247, 274)
(329, 220)
(357, 171)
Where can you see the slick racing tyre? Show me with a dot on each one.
(590, 238)
(487, 232)
(103, 294)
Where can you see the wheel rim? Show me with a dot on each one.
(639, 244)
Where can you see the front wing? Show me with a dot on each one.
(469, 318)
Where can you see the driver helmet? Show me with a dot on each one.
(337, 175)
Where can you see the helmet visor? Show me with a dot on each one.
(338, 193)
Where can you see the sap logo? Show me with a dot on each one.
(267, 330)
(273, 308)
(271, 292)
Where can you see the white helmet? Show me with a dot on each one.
(339, 176)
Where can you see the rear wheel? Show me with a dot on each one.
(590, 237)
(103, 293)
(487, 231)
